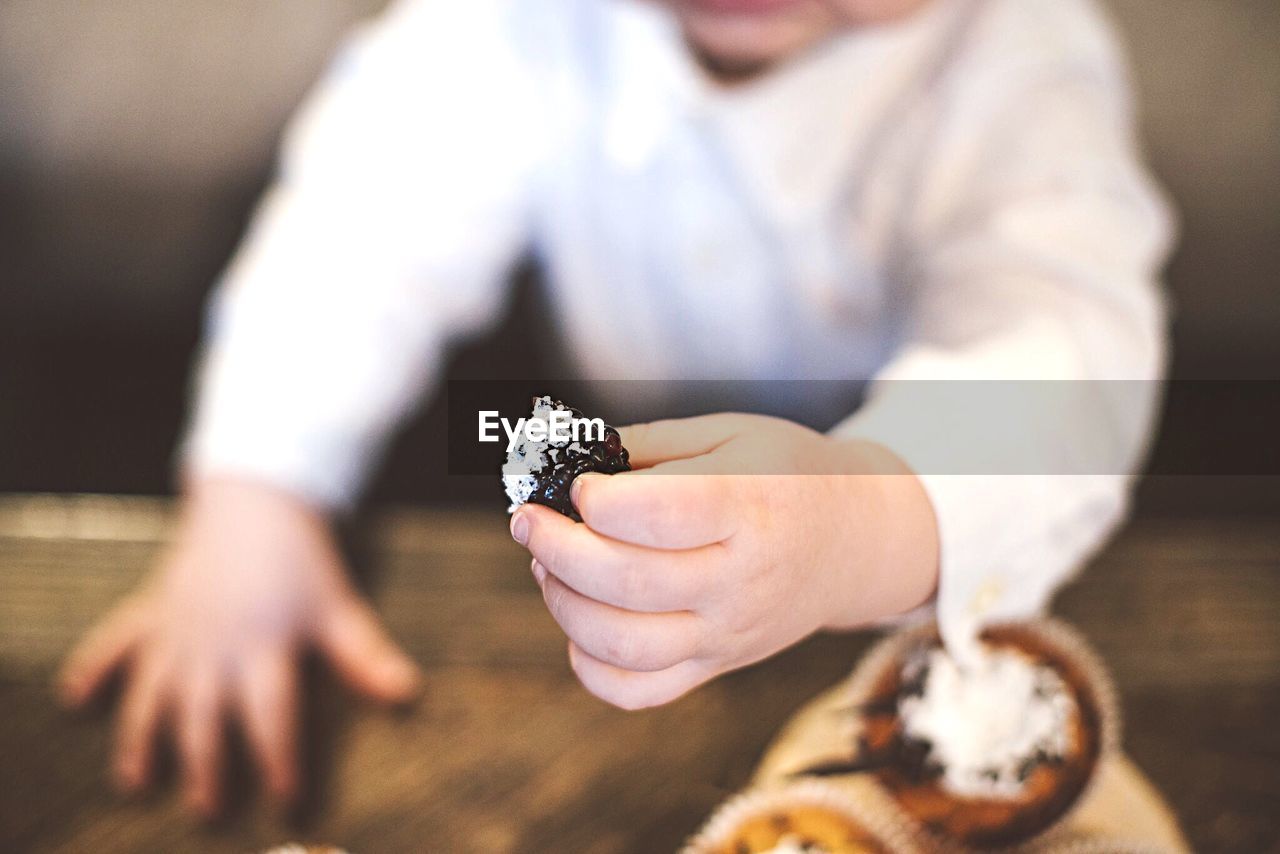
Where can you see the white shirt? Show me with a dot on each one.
(955, 196)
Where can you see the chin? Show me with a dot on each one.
(742, 35)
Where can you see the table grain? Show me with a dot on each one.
(506, 753)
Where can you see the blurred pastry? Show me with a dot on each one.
(990, 752)
(806, 817)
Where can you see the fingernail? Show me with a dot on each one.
(520, 528)
(126, 776)
(282, 789)
(404, 674)
(68, 692)
(539, 572)
(203, 803)
(575, 488)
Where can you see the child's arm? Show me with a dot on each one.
(400, 203)
(1037, 243)
(1026, 389)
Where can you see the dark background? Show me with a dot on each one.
(135, 136)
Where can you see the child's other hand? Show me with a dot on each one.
(252, 577)
(736, 537)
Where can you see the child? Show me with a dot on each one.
(730, 189)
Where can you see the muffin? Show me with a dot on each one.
(992, 753)
(542, 464)
(806, 817)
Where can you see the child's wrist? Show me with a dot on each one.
(892, 537)
(218, 490)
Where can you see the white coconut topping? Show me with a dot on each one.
(985, 722)
(529, 457)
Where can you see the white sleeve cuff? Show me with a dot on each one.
(1007, 541)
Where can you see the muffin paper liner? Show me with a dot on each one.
(1091, 845)
(864, 804)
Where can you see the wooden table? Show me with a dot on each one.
(507, 753)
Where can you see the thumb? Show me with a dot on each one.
(357, 645)
(678, 438)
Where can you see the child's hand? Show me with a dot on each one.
(743, 535)
(252, 577)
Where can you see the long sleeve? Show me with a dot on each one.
(401, 202)
(1024, 389)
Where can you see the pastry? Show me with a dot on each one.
(990, 753)
(543, 462)
(806, 817)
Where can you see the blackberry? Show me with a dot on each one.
(541, 472)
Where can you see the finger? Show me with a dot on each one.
(658, 508)
(365, 656)
(269, 709)
(624, 639)
(140, 714)
(614, 572)
(99, 653)
(631, 690)
(199, 730)
(678, 438)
